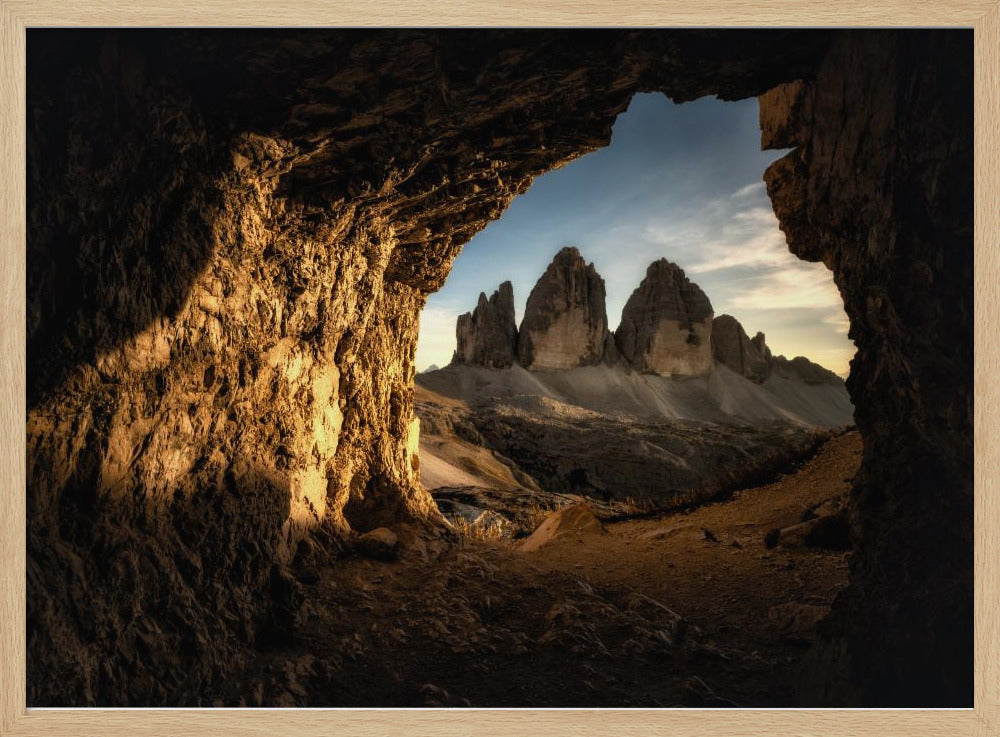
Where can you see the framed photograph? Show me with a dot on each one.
(552, 369)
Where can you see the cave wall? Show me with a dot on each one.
(231, 235)
(879, 188)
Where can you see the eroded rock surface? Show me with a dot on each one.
(879, 188)
(804, 370)
(565, 321)
(488, 335)
(666, 325)
(733, 348)
(231, 235)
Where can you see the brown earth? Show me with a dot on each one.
(647, 612)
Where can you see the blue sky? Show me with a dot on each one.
(682, 182)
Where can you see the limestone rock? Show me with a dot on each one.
(733, 348)
(300, 269)
(575, 520)
(380, 544)
(488, 335)
(802, 368)
(565, 321)
(666, 324)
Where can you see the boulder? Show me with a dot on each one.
(565, 321)
(379, 544)
(827, 532)
(488, 335)
(733, 348)
(575, 520)
(666, 325)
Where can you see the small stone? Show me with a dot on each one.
(379, 544)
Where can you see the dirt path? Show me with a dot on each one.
(650, 612)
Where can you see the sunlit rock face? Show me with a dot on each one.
(666, 325)
(231, 235)
(732, 347)
(879, 188)
(565, 321)
(488, 335)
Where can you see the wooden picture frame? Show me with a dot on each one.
(981, 721)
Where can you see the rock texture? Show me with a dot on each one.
(231, 235)
(879, 188)
(650, 461)
(731, 347)
(666, 324)
(804, 370)
(488, 335)
(565, 320)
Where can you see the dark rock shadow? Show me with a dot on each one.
(120, 198)
(140, 606)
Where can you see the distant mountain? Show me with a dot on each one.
(667, 328)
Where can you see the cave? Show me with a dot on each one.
(231, 235)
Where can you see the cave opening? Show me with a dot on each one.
(666, 453)
(228, 251)
(677, 195)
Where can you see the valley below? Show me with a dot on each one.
(713, 606)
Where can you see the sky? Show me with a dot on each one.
(682, 182)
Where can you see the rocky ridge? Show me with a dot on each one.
(666, 324)
(565, 320)
(733, 348)
(488, 335)
(668, 328)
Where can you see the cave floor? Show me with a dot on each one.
(649, 613)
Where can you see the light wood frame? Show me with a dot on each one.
(982, 721)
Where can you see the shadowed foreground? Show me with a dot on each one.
(650, 612)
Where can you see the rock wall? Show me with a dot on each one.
(666, 324)
(733, 348)
(879, 188)
(231, 235)
(668, 314)
(565, 321)
(488, 335)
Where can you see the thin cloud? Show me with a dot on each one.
(747, 191)
(693, 195)
(790, 288)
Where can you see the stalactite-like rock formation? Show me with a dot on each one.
(231, 235)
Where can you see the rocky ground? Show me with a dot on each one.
(711, 607)
(513, 456)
